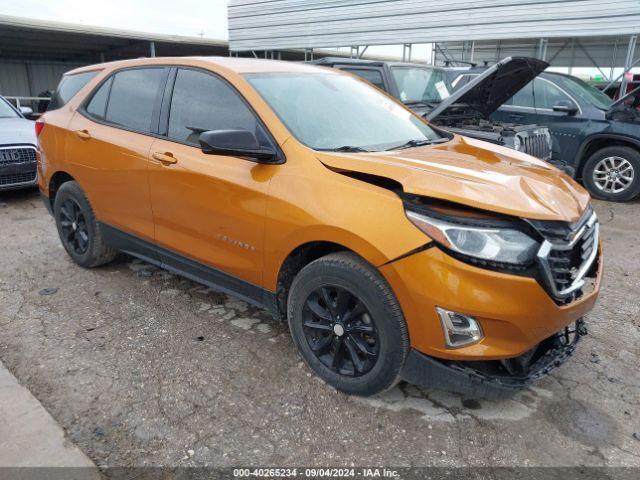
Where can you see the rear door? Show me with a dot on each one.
(209, 209)
(109, 144)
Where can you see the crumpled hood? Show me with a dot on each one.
(17, 130)
(474, 173)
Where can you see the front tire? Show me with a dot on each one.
(78, 229)
(347, 324)
(613, 173)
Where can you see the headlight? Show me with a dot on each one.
(517, 144)
(503, 245)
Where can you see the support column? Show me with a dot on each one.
(308, 54)
(152, 49)
(573, 55)
(406, 52)
(542, 48)
(628, 63)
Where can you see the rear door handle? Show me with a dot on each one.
(83, 134)
(166, 158)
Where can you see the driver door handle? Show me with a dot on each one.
(166, 158)
(515, 116)
(83, 134)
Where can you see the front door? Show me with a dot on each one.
(209, 210)
(566, 129)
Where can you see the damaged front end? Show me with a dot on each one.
(494, 378)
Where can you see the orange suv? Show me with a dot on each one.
(393, 248)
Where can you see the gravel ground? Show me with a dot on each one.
(141, 367)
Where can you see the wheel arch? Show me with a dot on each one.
(56, 181)
(295, 261)
(599, 141)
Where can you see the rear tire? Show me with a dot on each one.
(347, 324)
(613, 173)
(78, 229)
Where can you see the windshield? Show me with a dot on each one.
(6, 111)
(328, 111)
(589, 93)
(421, 84)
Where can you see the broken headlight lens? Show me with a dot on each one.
(502, 245)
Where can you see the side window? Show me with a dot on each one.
(97, 106)
(203, 102)
(372, 76)
(133, 98)
(547, 94)
(524, 98)
(68, 87)
(461, 81)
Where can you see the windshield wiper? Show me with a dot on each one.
(418, 143)
(345, 148)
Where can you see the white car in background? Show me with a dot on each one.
(17, 148)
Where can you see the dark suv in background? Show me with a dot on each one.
(596, 138)
(426, 90)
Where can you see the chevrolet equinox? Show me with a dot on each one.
(393, 248)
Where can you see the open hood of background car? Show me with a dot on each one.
(493, 87)
(473, 173)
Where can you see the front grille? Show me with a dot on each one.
(13, 155)
(17, 178)
(566, 263)
(536, 144)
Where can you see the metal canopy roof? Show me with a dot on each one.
(29, 39)
(279, 24)
(598, 52)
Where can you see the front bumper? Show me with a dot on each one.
(493, 379)
(18, 175)
(514, 311)
(18, 166)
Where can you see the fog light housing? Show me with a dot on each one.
(459, 330)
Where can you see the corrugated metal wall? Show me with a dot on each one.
(28, 79)
(279, 24)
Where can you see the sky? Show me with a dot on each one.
(206, 18)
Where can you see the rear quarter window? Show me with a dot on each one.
(68, 87)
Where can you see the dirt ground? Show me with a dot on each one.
(141, 367)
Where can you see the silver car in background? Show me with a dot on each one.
(17, 148)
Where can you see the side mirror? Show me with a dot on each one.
(26, 111)
(237, 143)
(565, 106)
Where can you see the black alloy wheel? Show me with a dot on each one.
(75, 234)
(78, 228)
(347, 324)
(339, 331)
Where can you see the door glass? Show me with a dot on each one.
(547, 94)
(133, 98)
(421, 84)
(372, 76)
(524, 97)
(203, 102)
(98, 103)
